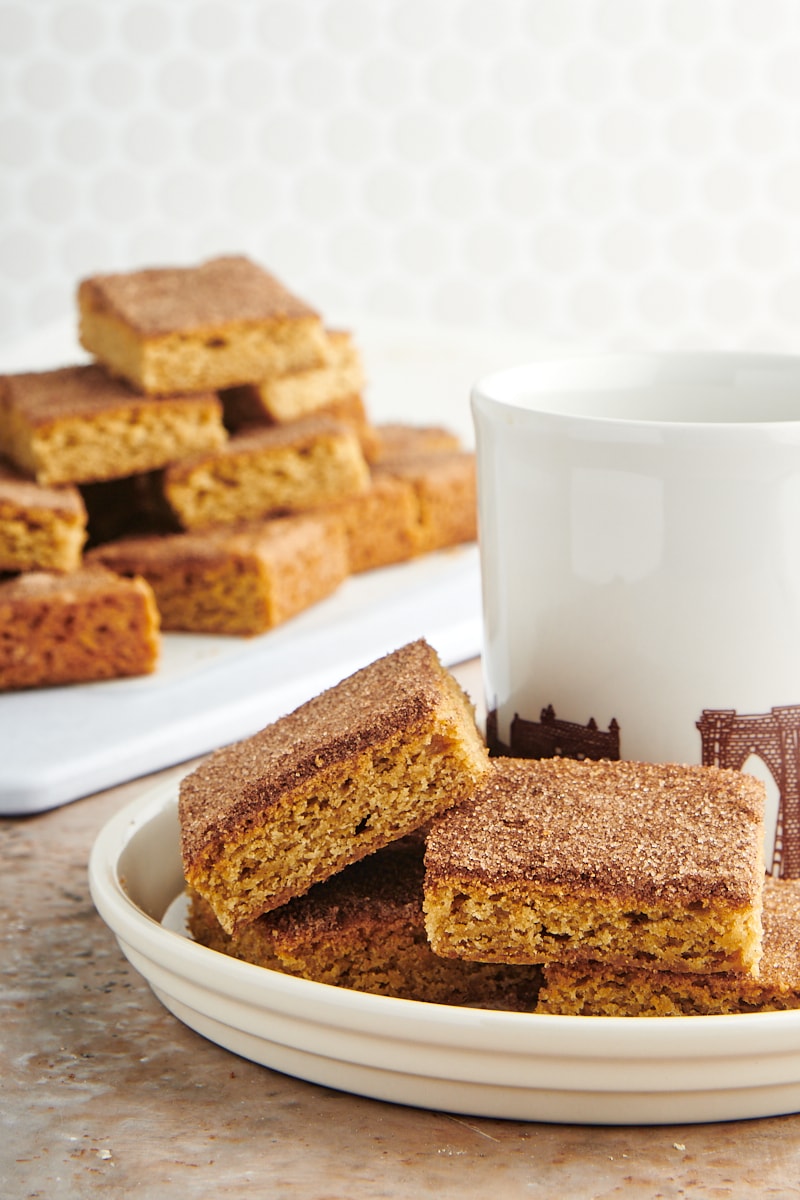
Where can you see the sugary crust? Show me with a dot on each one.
(298, 436)
(87, 582)
(242, 782)
(162, 300)
(652, 833)
(153, 551)
(86, 391)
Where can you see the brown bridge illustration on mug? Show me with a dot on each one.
(728, 739)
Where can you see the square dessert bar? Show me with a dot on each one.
(86, 625)
(297, 393)
(41, 528)
(267, 470)
(242, 580)
(594, 989)
(360, 765)
(637, 864)
(364, 929)
(78, 424)
(187, 329)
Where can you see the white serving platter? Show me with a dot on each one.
(58, 744)
(577, 1070)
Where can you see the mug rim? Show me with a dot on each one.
(712, 376)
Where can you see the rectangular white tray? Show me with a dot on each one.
(58, 744)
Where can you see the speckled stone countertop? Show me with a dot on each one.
(102, 1091)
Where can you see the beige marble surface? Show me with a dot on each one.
(102, 1091)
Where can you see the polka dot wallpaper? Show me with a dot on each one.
(625, 171)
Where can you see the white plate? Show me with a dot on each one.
(589, 1070)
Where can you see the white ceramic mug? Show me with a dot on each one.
(639, 523)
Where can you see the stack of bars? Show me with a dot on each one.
(638, 888)
(213, 470)
(303, 845)
(368, 841)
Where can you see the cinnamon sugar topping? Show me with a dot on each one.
(163, 300)
(623, 829)
(79, 391)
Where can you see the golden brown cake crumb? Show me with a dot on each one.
(265, 471)
(41, 528)
(634, 863)
(86, 625)
(594, 989)
(358, 766)
(243, 580)
(77, 424)
(363, 929)
(181, 329)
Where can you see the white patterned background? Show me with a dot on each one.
(625, 171)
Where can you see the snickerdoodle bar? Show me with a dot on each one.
(77, 425)
(242, 580)
(182, 329)
(364, 763)
(264, 471)
(73, 628)
(639, 864)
